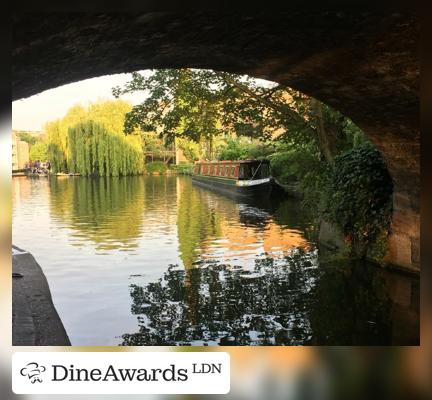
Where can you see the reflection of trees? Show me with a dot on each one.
(291, 304)
(196, 221)
(230, 306)
(290, 212)
(107, 211)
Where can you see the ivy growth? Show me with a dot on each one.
(359, 200)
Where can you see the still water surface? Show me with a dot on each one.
(159, 261)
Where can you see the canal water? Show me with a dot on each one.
(158, 261)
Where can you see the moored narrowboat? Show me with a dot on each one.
(238, 178)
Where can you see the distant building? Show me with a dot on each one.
(20, 153)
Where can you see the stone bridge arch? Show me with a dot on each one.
(363, 64)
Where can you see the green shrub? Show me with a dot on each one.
(355, 194)
(183, 168)
(359, 200)
(233, 150)
(156, 167)
(293, 164)
(242, 148)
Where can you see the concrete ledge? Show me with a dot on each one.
(35, 321)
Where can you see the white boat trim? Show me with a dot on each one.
(252, 182)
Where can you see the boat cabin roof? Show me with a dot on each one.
(228, 169)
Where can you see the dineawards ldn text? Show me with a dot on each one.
(111, 374)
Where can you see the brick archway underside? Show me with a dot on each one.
(363, 64)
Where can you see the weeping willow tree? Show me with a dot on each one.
(57, 137)
(56, 147)
(91, 141)
(92, 150)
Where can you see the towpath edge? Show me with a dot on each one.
(35, 321)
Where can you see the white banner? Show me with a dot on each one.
(121, 373)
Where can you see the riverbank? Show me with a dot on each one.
(168, 172)
(35, 321)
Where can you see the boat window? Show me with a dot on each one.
(257, 171)
(227, 171)
(232, 171)
(236, 171)
(264, 170)
(212, 170)
(243, 171)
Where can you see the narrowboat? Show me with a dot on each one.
(236, 178)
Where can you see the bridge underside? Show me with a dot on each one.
(363, 64)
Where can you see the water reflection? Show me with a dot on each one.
(201, 268)
(101, 210)
(358, 303)
(109, 211)
(214, 228)
(218, 304)
(292, 303)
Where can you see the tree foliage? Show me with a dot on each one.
(38, 151)
(178, 104)
(27, 137)
(95, 151)
(91, 141)
(190, 149)
(202, 104)
(359, 199)
(243, 148)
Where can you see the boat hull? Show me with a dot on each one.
(231, 189)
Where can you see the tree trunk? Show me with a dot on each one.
(325, 143)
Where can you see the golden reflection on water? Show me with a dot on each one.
(115, 213)
(214, 227)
